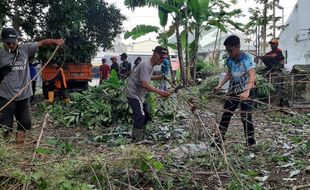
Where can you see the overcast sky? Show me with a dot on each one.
(149, 16)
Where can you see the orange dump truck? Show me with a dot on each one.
(77, 76)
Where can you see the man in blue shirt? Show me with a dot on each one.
(33, 73)
(241, 74)
(165, 67)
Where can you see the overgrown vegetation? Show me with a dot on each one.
(178, 155)
(100, 106)
(207, 69)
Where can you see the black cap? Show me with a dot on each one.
(162, 51)
(124, 56)
(9, 35)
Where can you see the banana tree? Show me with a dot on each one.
(207, 13)
(200, 12)
(165, 8)
(200, 16)
(162, 37)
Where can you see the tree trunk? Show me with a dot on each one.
(170, 66)
(179, 47)
(188, 68)
(195, 49)
(264, 28)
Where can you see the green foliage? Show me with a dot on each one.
(23, 15)
(207, 69)
(152, 104)
(84, 24)
(163, 16)
(99, 106)
(199, 9)
(208, 85)
(140, 30)
(263, 87)
(308, 146)
(279, 158)
(294, 121)
(135, 3)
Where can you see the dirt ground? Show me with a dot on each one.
(279, 160)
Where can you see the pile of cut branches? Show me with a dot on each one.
(99, 106)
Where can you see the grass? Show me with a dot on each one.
(79, 158)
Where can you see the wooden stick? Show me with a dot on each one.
(44, 123)
(40, 136)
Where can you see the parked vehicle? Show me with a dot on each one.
(77, 76)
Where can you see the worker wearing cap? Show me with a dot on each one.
(14, 59)
(114, 65)
(165, 68)
(273, 60)
(125, 67)
(138, 86)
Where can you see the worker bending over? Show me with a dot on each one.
(58, 82)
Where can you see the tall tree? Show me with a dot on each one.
(25, 15)
(200, 17)
(84, 24)
(263, 20)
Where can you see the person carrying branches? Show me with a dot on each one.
(241, 74)
(14, 75)
(138, 86)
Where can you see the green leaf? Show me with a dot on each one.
(222, 27)
(140, 30)
(165, 6)
(163, 16)
(42, 150)
(157, 165)
(144, 166)
(308, 146)
(172, 46)
(199, 9)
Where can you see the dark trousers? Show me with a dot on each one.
(21, 110)
(33, 85)
(140, 113)
(62, 91)
(272, 64)
(246, 116)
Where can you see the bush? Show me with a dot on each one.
(103, 105)
(207, 69)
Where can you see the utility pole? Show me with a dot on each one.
(274, 18)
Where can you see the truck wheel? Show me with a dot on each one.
(86, 85)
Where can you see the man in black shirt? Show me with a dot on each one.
(114, 65)
(125, 67)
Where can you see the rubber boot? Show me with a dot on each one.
(51, 96)
(137, 135)
(67, 101)
(20, 137)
